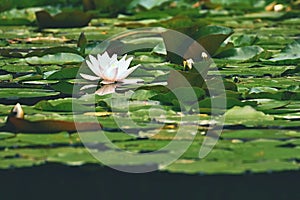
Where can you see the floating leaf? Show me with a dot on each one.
(143, 95)
(65, 73)
(230, 102)
(19, 162)
(245, 40)
(184, 79)
(182, 96)
(71, 156)
(17, 16)
(147, 4)
(19, 93)
(63, 87)
(242, 54)
(235, 4)
(246, 134)
(280, 95)
(233, 167)
(52, 50)
(62, 105)
(66, 19)
(6, 77)
(241, 115)
(289, 55)
(211, 37)
(294, 71)
(58, 59)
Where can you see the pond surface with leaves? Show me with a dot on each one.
(257, 52)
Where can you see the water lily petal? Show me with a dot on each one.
(132, 81)
(105, 82)
(123, 58)
(88, 87)
(89, 77)
(110, 74)
(95, 69)
(105, 56)
(104, 60)
(128, 61)
(123, 66)
(114, 74)
(113, 59)
(129, 71)
(122, 61)
(93, 60)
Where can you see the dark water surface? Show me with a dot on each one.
(54, 181)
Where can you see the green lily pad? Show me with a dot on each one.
(271, 104)
(65, 73)
(67, 19)
(241, 115)
(6, 77)
(260, 139)
(234, 4)
(242, 53)
(289, 55)
(19, 93)
(244, 40)
(71, 156)
(280, 95)
(209, 37)
(63, 87)
(4, 135)
(19, 162)
(45, 139)
(143, 94)
(61, 105)
(180, 96)
(259, 133)
(203, 167)
(58, 59)
(147, 4)
(230, 102)
(52, 50)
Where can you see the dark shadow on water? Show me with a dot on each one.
(54, 181)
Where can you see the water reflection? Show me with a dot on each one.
(111, 88)
(107, 89)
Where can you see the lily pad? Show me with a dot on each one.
(65, 73)
(61, 105)
(180, 96)
(65, 19)
(289, 55)
(259, 133)
(19, 93)
(58, 59)
(241, 115)
(211, 37)
(242, 53)
(52, 50)
(148, 4)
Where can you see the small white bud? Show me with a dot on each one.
(189, 63)
(204, 55)
(278, 7)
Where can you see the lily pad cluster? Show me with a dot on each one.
(256, 55)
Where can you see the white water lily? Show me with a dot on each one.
(109, 69)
